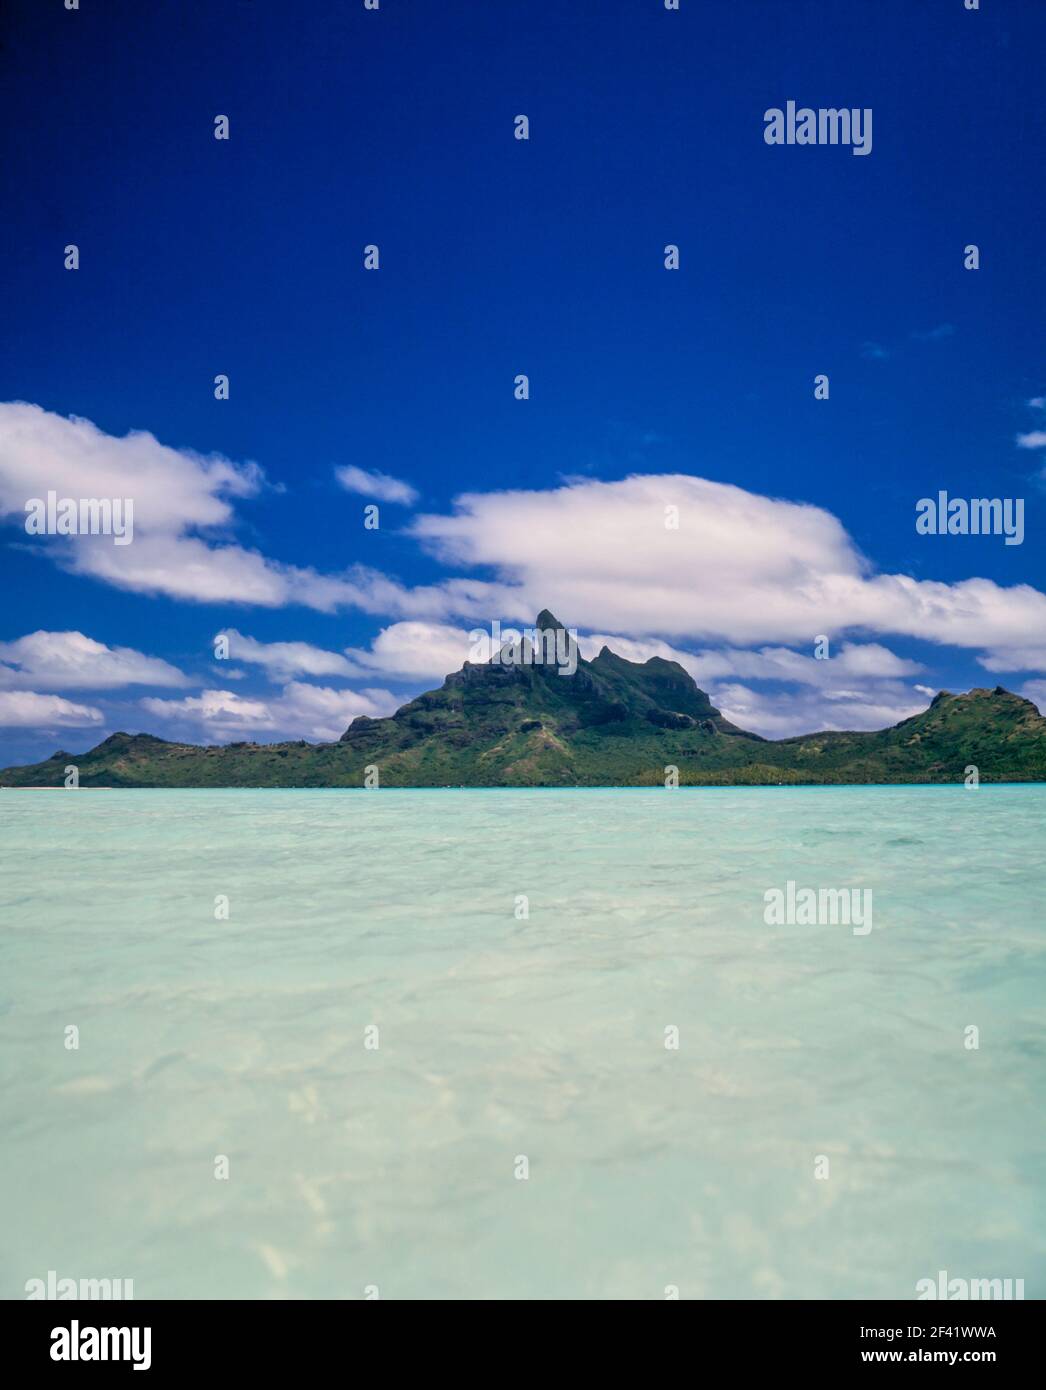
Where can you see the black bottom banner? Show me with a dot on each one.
(179, 1339)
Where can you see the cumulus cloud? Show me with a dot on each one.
(72, 661)
(741, 568)
(766, 663)
(1026, 658)
(1034, 439)
(26, 709)
(183, 511)
(215, 707)
(182, 501)
(285, 659)
(406, 651)
(811, 712)
(376, 593)
(374, 484)
(418, 649)
(301, 711)
(172, 488)
(185, 567)
(1036, 692)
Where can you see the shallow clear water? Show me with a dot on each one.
(501, 1037)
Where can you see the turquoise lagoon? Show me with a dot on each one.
(504, 1035)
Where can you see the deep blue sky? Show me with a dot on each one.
(500, 256)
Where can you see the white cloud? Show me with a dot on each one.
(285, 659)
(767, 663)
(417, 649)
(811, 712)
(741, 568)
(183, 502)
(213, 706)
(1036, 692)
(301, 711)
(187, 568)
(376, 593)
(172, 488)
(176, 494)
(71, 661)
(870, 659)
(374, 484)
(328, 713)
(406, 650)
(25, 709)
(1026, 658)
(1034, 439)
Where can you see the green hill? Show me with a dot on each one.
(611, 723)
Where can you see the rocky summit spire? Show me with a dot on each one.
(547, 622)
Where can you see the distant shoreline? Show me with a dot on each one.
(565, 787)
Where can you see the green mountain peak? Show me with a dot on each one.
(543, 715)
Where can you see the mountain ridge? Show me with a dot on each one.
(514, 721)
